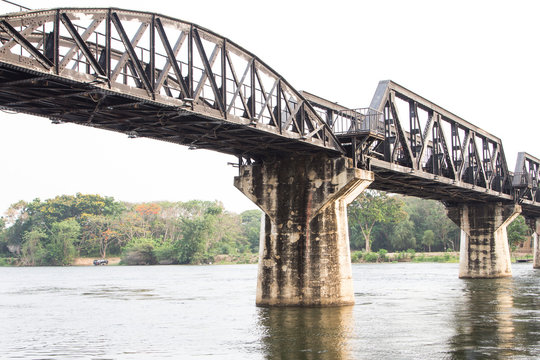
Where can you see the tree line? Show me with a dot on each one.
(55, 231)
(379, 220)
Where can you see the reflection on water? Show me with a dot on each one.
(497, 319)
(312, 333)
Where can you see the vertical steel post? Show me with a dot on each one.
(279, 108)
(152, 62)
(108, 47)
(190, 62)
(224, 77)
(253, 92)
(56, 41)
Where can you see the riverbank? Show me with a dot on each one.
(412, 256)
(404, 256)
(356, 257)
(218, 260)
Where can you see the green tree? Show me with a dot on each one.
(447, 231)
(3, 238)
(251, 227)
(17, 224)
(431, 215)
(60, 249)
(403, 235)
(63, 207)
(428, 239)
(517, 232)
(140, 251)
(33, 253)
(370, 208)
(99, 232)
(195, 234)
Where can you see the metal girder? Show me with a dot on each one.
(27, 45)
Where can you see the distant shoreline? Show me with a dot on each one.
(451, 257)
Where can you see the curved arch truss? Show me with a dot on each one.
(153, 76)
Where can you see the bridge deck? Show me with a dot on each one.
(63, 100)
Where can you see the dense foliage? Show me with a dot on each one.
(55, 231)
(378, 220)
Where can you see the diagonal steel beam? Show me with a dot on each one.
(85, 35)
(468, 136)
(400, 132)
(171, 60)
(266, 98)
(239, 84)
(208, 69)
(27, 32)
(204, 76)
(125, 56)
(81, 44)
(46, 63)
(445, 149)
(131, 52)
(425, 142)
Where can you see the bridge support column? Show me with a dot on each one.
(534, 223)
(304, 257)
(484, 251)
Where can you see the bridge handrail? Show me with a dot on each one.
(357, 121)
(345, 120)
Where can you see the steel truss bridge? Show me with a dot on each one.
(149, 75)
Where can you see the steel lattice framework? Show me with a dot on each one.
(149, 75)
(444, 146)
(153, 76)
(416, 147)
(525, 183)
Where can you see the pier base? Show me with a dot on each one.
(484, 251)
(304, 255)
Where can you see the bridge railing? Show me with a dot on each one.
(346, 121)
(358, 121)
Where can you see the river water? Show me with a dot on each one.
(402, 311)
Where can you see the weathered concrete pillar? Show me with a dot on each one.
(304, 257)
(534, 223)
(484, 251)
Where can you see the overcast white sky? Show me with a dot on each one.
(478, 59)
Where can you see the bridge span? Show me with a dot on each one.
(302, 158)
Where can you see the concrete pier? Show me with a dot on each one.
(304, 255)
(534, 223)
(484, 250)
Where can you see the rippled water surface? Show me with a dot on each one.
(403, 311)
